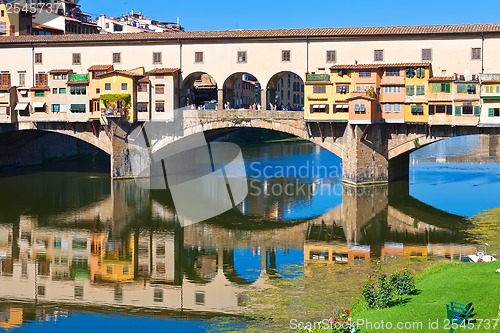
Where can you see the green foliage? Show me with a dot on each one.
(402, 283)
(110, 100)
(380, 296)
(385, 291)
(370, 294)
(416, 142)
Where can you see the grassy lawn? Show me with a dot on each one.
(438, 285)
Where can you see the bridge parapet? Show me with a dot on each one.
(243, 114)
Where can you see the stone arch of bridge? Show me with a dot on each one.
(101, 142)
(233, 121)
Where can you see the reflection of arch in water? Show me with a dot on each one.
(239, 273)
(200, 265)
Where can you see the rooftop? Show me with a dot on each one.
(272, 33)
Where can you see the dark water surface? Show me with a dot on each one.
(79, 252)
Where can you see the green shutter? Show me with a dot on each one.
(410, 90)
(491, 112)
(497, 89)
(435, 87)
(448, 88)
(461, 88)
(458, 110)
(449, 109)
(477, 110)
(431, 109)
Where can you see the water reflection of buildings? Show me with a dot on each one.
(206, 267)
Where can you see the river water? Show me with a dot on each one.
(80, 252)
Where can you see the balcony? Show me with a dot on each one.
(318, 77)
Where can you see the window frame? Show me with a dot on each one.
(76, 58)
(331, 56)
(426, 54)
(38, 58)
(157, 58)
(117, 57)
(241, 57)
(476, 53)
(199, 57)
(378, 55)
(286, 55)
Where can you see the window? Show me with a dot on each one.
(2, 13)
(441, 87)
(142, 87)
(107, 86)
(39, 93)
(392, 107)
(494, 112)
(38, 58)
(40, 79)
(410, 90)
(476, 53)
(378, 55)
(331, 56)
(358, 89)
(342, 89)
(420, 90)
(76, 59)
(79, 244)
(78, 292)
(78, 90)
(198, 57)
(142, 107)
(124, 86)
(64, 76)
(200, 298)
(342, 108)
(359, 108)
(159, 89)
(160, 106)
(319, 108)
(62, 91)
(5, 79)
(417, 109)
(319, 89)
(242, 56)
(392, 72)
(158, 295)
(467, 109)
(57, 76)
(117, 58)
(22, 79)
(426, 54)
(40, 291)
(392, 89)
(285, 55)
(420, 72)
(156, 58)
(365, 74)
(56, 107)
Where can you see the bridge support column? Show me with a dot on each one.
(399, 167)
(263, 99)
(364, 159)
(220, 99)
(122, 161)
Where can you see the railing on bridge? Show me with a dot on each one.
(243, 114)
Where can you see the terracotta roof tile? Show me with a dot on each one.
(403, 31)
(441, 78)
(160, 71)
(99, 68)
(40, 88)
(381, 65)
(144, 79)
(60, 71)
(125, 73)
(368, 98)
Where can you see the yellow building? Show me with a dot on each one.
(94, 91)
(440, 98)
(14, 21)
(319, 99)
(416, 108)
(118, 93)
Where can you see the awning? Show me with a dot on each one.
(39, 104)
(342, 106)
(319, 106)
(21, 106)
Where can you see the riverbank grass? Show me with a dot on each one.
(438, 285)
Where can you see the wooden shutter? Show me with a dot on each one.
(458, 110)
(448, 88)
(491, 112)
(477, 110)
(449, 110)
(431, 109)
